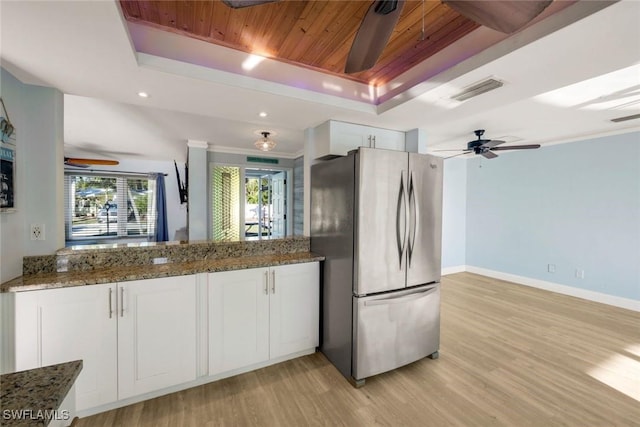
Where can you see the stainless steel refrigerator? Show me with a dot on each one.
(376, 215)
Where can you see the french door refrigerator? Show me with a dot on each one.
(376, 216)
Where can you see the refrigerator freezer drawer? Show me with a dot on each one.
(394, 329)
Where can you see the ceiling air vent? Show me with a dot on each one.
(477, 89)
(625, 118)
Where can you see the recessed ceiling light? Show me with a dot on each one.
(143, 94)
(262, 114)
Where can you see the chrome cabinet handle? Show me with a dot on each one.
(121, 302)
(266, 283)
(273, 281)
(110, 305)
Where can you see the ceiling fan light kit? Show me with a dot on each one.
(265, 143)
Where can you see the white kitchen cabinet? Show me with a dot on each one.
(156, 334)
(334, 138)
(60, 325)
(260, 314)
(294, 308)
(238, 319)
(146, 344)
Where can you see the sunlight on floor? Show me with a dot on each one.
(634, 349)
(621, 373)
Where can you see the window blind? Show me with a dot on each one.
(109, 205)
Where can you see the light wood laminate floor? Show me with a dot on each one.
(510, 356)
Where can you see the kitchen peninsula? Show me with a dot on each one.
(39, 397)
(151, 319)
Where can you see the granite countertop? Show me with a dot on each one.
(123, 274)
(31, 396)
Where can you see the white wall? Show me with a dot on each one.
(198, 177)
(44, 157)
(36, 113)
(575, 205)
(454, 214)
(12, 224)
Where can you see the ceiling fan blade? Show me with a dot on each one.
(517, 147)
(493, 143)
(488, 154)
(465, 150)
(505, 16)
(238, 4)
(373, 35)
(72, 161)
(456, 155)
(75, 165)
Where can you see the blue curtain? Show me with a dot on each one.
(162, 231)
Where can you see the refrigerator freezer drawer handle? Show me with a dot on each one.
(404, 298)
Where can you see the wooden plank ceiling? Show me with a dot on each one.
(312, 34)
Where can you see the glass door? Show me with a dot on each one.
(248, 203)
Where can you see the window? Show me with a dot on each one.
(109, 206)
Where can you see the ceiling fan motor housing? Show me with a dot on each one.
(475, 145)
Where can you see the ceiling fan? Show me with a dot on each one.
(377, 25)
(486, 147)
(85, 163)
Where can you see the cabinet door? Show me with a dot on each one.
(156, 334)
(348, 136)
(60, 325)
(238, 319)
(388, 139)
(294, 307)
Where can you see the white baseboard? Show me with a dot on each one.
(454, 270)
(629, 304)
(198, 382)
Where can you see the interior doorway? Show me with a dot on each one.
(265, 204)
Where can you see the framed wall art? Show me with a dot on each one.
(7, 161)
(7, 177)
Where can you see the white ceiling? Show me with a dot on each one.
(84, 48)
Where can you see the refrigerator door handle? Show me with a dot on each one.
(413, 218)
(404, 298)
(401, 220)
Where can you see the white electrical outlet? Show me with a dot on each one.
(579, 273)
(551, 268)
(37, 232)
